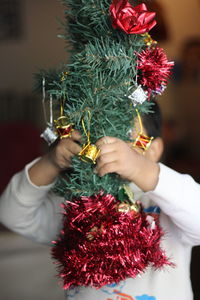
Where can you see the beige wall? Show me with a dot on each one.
(183, 18)
(38, 47)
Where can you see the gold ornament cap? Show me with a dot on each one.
(89, 153)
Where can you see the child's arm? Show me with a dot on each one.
(45, 170)
(178, 195)
(117, 156)
(28, 206)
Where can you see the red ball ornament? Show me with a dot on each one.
(103, 242)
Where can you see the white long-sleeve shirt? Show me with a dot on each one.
(35, 212)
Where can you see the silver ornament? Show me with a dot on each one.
(138, 96)
(49, 135)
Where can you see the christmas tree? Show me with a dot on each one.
(115, 69)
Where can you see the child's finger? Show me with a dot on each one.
(72, 147)
(76, 136)
(105, 140)
(107, 168)
(107, 148)
(106, 158)
(70, 144)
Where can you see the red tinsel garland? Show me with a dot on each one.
(155, 69)
(100, 245)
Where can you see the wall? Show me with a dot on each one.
(183, 21)
(38, 47)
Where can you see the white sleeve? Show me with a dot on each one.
(178, 196)
(30, 210)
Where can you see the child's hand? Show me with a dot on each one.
(45, 170)
(116, 156)
(60, 156)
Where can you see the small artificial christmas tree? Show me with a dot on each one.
(115, 69)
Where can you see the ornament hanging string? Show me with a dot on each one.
(50, 123)
(140, 121)
(49, 134)
(87, 133)
(89, 152)
(51, 109)
(62, 107)
(43, 99)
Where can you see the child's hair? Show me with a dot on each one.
(152, 121)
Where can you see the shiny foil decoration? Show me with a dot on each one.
(148, 40)
(127, 208)
(101, 244)
(155, 69)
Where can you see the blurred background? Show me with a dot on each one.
(29, 42)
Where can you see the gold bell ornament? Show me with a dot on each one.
(89, 153)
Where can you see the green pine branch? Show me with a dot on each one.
(96, 81)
